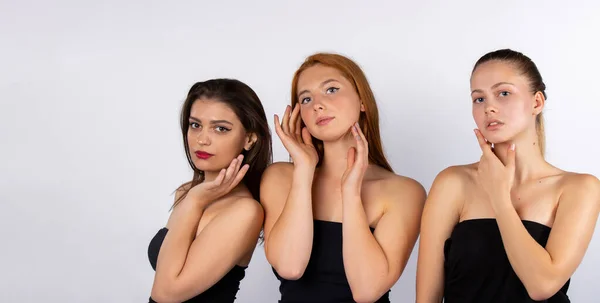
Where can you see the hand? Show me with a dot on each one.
(494, 177)
(358, 162)
(207, 192)
(298, 142)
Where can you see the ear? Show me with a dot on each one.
(362, 106)
(539, 102)
(250, 140)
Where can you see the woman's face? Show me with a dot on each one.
(215, 135)
(329, 103)
(503, 104)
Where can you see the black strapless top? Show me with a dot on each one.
(477, 269)
(223, 291)
(324, 280)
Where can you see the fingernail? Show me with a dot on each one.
(512, 147)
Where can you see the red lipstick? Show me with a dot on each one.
(203, 155)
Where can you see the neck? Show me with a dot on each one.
(210, 175)
(529, 162)
(335, 156)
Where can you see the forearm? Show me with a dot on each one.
(290, 240)
(530, 261)
(177, 242)
(365, 263)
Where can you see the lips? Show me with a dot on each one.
(324, 120)
(203, 155)
(494, 124)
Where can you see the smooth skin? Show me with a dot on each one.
(202, 245)
(511, 182)
(345, 188)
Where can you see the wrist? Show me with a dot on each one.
(351, 194)
(304, 166)
(303, 172)
(502, 202)
(194, 202)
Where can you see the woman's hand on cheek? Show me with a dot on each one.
(207, 192)
(495, 177)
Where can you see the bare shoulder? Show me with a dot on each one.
(277, 173)
(448, 191)
(244, 209)
(456, 175)
(581, 181)
(394, 187)
(581, 184)
(275, 184)
(402, 185)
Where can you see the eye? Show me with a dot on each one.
(304, 100)
(504, 93)
(221, 129)
(194, 125)
(332, 90)
(478, 100)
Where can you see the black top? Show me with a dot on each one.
(223, 291)
(324, 280)
(477, 269)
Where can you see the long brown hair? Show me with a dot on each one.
(368, 120)
(248, 108)
(536, 84)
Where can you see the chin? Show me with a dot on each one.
(328, 136)
(496, 137)
(330, 132)
(205, 165)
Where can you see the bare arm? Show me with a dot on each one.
(374, 261)
(545, 271)
(440, 215)
(186, 266)
(286, 193)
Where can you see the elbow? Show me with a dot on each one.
(290, 272)
(371, 289)
(365, 298)
(366, 295)
(161, 297)
(539, 294)
(542, 290)
(286, 269)
(163, 294)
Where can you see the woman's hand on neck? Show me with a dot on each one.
(335, 157)
(529, 162)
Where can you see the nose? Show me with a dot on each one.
(318, 104)
(202, 138)
(490, 108)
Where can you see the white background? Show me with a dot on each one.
(90, 94)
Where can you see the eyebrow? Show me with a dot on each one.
(213, 121)
(493, 86)
(322, 84)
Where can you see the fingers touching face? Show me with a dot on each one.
(329, 103)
